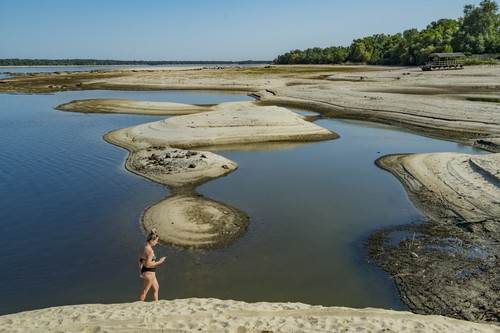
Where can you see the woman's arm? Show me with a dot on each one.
(149, 259)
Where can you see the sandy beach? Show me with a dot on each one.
(212, 315)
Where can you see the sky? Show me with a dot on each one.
(202, 29)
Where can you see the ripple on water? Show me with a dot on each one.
(69, 212)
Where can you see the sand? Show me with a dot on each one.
(430, 103)
(192, 221)
(131, 107)
(434, 103)
(228, 123)
(460, 105)
(453, 104)
(178, 167)
(162, 152)
(453, 188)
(449, 265)
(213, 315)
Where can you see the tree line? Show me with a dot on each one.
(98, 62)
(477, 32)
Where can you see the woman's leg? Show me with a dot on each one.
(148, 283)
(156, 288)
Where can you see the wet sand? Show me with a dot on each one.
(177, 168)
(454, 256)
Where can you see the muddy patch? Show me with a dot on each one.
(179, 167)
(441, 270)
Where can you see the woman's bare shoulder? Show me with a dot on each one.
(148, 250)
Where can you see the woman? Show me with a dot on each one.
(148, 264)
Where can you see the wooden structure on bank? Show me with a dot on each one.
(439, 61)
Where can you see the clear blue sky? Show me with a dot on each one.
(201, 29)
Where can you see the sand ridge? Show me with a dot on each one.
(213, 315)
(448, 104)
(228, 123)
(162, 151)
(129, 106)
(453, 104)
(448, 265)
(453, 187)
(193, 221)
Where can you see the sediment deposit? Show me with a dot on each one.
(192, 221)
(128, 106)
(448, 265)
(460, 105)
(162, 151)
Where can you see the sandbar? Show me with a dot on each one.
(448, 104)
(193, 221)
(162, 151)
(453, 188)
(448, 265)
(129, 106)
(229, 123)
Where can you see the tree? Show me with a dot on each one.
(479, 29)
(477, 32)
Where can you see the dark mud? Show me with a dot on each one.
(441, 270)
(444, 266)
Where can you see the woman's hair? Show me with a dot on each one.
(152, 235)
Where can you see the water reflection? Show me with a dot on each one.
(70, 212)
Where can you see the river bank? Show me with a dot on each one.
(454, 256)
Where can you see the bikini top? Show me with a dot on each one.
(141, 259)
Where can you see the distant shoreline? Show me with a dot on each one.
(13, 62)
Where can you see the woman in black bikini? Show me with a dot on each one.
(148, 264)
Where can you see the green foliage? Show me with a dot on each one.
(477, 32)
(329, 55)
(479, 29)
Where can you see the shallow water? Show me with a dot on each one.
(48, 69)
(70, 212)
